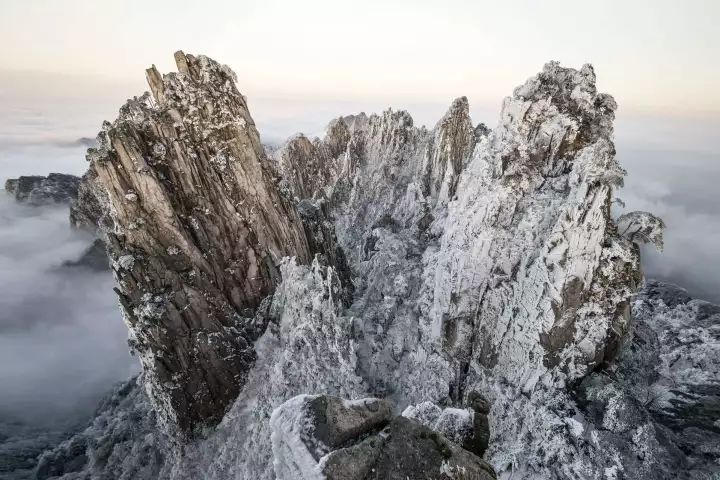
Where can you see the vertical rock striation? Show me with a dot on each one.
(453, 143)
(198, 230)
(531, 276)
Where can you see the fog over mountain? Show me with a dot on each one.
(63, 343)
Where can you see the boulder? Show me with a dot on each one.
(320, 436)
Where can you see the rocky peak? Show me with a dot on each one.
(307, 167)
(337, 137)
(461, 260)
(38, 190)
(198, 229)
(537, 249)
(453, 143)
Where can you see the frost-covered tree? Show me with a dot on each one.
(642, 227)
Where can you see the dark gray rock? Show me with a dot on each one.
(38, 190)
(322, 241)
(335, 422)
(356, 462)
(90, 210)
(94, 258)
(478, 441)
(415, 452)
(357, 440)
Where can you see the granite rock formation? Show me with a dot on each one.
(662, 394)
(385, 260)
(199, 227)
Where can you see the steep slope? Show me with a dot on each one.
(198, 229)
(531, 277)
(498, 249)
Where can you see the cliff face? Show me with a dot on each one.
(198, 229)
(494, 248)
(531, 277)
(452, 260)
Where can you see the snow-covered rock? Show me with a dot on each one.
(447, 261)
(197, 245)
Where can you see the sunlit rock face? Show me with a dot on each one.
(198, 229)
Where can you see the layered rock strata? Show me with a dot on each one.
(198, 229)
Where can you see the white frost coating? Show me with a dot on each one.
(426, 413)
(291, 458)
(126, 262)
(642, 227)
(456, 424)
(523, 243)
(512, 285)
(310, 351)
(576, 428)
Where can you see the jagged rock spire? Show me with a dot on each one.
(199, 228)
(545, 277)
(452, 146)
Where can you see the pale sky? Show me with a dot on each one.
(653, 56)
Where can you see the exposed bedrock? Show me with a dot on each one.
(449, 256)
(38, 190)
(531, 278)
(198, 228)
(494, 247)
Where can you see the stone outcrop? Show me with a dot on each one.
(452, 260)
(198, 230)
(37, 190)
(532, 278)
(91, 210)
(308, 167)
(485, 234)
(320, 436)
(467, 427)
(453, 144)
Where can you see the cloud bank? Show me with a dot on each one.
(62, 339)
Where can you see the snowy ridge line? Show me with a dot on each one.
(421, 266)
